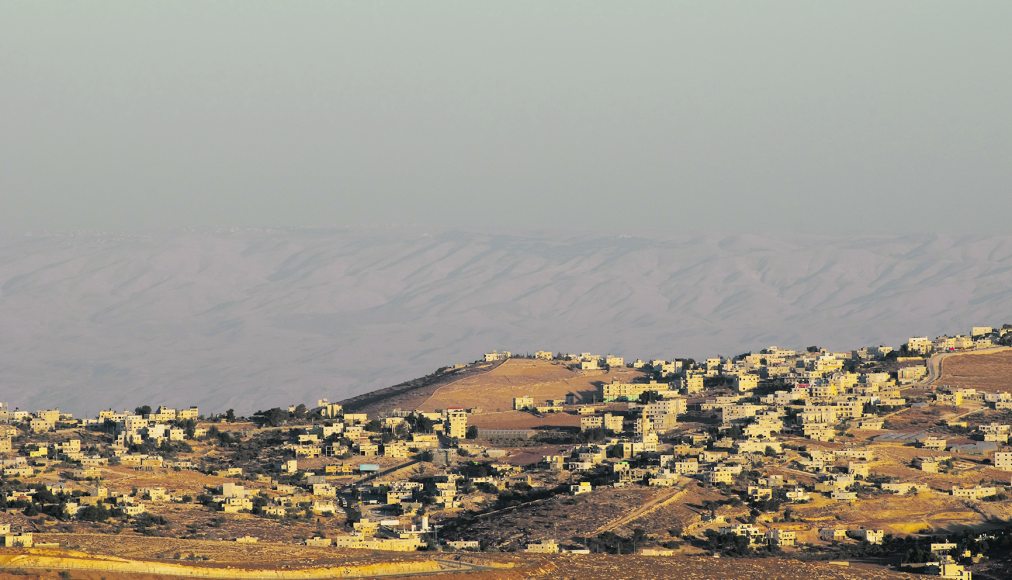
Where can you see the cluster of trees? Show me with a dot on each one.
(52, 504)
(728, 544)
(767, 505)
(95, 513)
(148, 524)
(474, 469)
(277, 416)
(558, 436)
(252, 455)
(420, 423)
(522, 494)
(222, 437)
(166, 448)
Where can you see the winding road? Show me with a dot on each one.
(934, 363)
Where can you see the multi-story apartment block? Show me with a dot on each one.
(455, 424)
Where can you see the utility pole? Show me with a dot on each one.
(435, 536)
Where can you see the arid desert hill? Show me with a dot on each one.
(255, 318)
(989, 373)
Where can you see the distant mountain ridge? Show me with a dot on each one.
(256, 318)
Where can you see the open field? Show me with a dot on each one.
(897, 514)
(523, 420)
(47, 563)
(990, 372)
(410, 394)
(232, 561)
(563, 517)
(693, 567)
(188, 521)
(494, 391)
(916, 420)
(657, 511)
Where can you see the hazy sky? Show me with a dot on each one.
(848, 116)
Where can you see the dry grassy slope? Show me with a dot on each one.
(54, 559)
(411, 394)
(561, 517)
(634, 567)
(657, 511)
(498, 567)
(494, 391)
(985, 372)
(896, 514)
(522, 420)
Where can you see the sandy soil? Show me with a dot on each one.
(523, 420)
(494, 391)
(898, 514)
(986, 372)
(522, 566)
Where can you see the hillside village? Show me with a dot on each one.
(861, 455)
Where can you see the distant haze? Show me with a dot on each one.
(256, 318)
(245, 204)
(839, 117)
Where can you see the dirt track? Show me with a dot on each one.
(987, 370)
(934, 363)
(642, 511)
